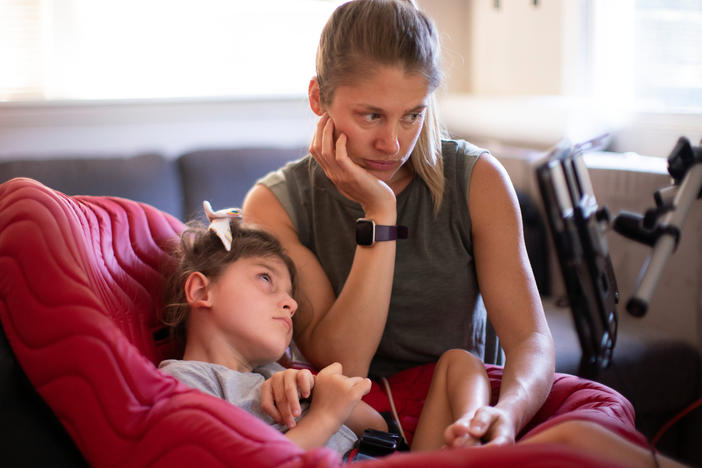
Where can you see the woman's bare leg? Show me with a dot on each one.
(459, 387)
(595, 439)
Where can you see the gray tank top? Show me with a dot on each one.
(435, 303)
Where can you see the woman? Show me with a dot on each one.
(377, 154)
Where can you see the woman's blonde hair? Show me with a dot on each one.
(362, 34)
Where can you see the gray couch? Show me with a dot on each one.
(223, 176)
(177, 186)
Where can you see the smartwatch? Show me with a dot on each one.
(368, 233)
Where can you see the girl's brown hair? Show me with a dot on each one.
(363, 34)
(201, 250)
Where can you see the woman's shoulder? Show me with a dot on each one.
(460, 148)
(459, 158)
(291, 170)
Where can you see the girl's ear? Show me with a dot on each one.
(313, 93)
(197, 291)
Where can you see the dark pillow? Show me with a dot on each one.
(224, 176)
(535, 238)
(148, 178)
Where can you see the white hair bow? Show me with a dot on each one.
(219, 222)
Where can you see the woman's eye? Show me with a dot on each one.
(413, 117)
(371, 117)
(265, 277)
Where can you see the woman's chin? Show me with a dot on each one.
(394, 179)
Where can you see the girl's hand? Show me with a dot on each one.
(336, 395)
(353, 181)
(280, 395)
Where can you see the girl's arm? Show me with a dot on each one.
(312, 431)
(365, 417)
(512, 302)
(280, 398)
(334, 399)
(315, 429)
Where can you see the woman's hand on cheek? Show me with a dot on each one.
(353, 181)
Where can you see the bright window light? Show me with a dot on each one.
(158, 49)
(648, 54)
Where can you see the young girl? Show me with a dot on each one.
(231, 300)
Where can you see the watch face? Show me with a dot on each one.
(364, 232)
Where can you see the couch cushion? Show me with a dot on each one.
(224, 176)
(148, 178)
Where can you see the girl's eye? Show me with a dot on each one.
(370, 117)
(265, 277)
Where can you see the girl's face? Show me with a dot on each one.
(382, 116)
(252, 306)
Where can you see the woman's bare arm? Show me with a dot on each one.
(512, 301)
(348, 328)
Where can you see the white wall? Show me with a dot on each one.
(514, 49)
(530, 36)
(453, 20)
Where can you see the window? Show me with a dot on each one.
(540, 72)
(135, 49)
(648, 55)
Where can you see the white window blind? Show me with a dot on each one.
(669, 37)
(20, 49)
(648, 54)
(146, 49)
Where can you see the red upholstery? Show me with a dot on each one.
(570, 398)
(79, 286)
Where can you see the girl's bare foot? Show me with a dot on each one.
(457, 435)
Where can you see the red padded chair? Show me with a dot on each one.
(80, 281)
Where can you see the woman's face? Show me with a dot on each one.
(382, 116)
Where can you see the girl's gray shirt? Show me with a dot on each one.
(243, 389)
(435, 303)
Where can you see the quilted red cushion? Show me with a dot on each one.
(570, 398)
(79, 286)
